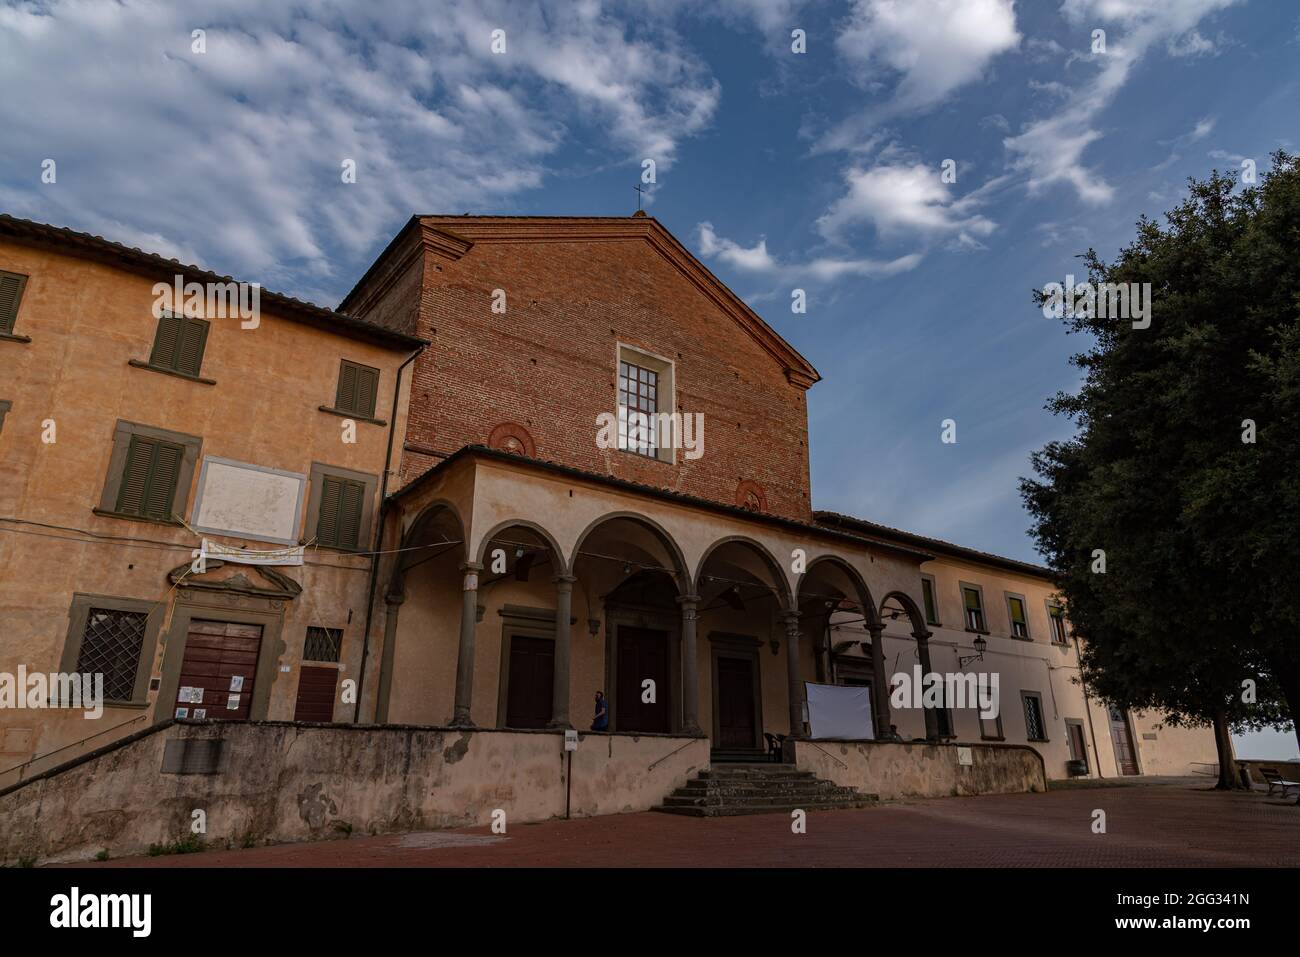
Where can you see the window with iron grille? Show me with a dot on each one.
(974, 603)
(111, 646)
(322, 644)
(1035, 728)
(1056, 618)
(638, 403)
(179, 343)
(1016, 611)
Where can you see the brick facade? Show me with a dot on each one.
(575, 289)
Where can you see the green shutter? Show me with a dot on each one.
(358, 388)
(149, 479)
(11, 293)
(327, 521)
(189, 351)
(342, 503)
(350, 506)
(367, 387)
(164, 342)
(347, 392)
(972, 599)
(927, 593)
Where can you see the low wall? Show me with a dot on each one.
(1289, 770)
(894, 769)
(281, 781)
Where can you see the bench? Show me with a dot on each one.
(1275, 780)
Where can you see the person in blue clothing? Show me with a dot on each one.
(602, 713)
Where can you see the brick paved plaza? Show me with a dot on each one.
(1169, 824)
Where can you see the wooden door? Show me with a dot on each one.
(218, 671)
(1078, 749)
(316, 690)
(531, 680)
(642, 654)
(1123, 740)
(736, 703)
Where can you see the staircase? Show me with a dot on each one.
(730, 789)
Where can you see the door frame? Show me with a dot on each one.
(238, 610)
(655, 619)
(530, 623)
(723, 644)
(1132, 744)
(1083, 740)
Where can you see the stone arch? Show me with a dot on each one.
(780, 582)
(537, 529)
(669, 544)
(870, 612)
(439, 522)
(909, 608)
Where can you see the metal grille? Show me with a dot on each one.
(1034, 719)
(111, 646)
(638, 402)
(322, 644)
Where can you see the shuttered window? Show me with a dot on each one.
(179, 344)
(149, 479)
(11, 293)
(974, 609)
(342, 502)
(1056, 616)
(358, 386)
(1019, 625)
(927, 594)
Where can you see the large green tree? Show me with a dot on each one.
(1181, 480)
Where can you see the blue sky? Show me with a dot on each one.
(818, 170)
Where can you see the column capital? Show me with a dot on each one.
(394, 599)
(471, 566)
(688, 599)
(875, 631)
(922, 635)
(564, 581)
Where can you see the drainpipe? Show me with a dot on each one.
(1087, 710)
(379, 535)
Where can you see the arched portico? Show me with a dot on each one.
(896, 605)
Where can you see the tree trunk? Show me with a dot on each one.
(1228, 777)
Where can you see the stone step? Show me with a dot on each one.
(734, 810)
(731, 789)
(777, 774)
(761, 800)
(700, 789)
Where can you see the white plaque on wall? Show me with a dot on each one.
(249, 501)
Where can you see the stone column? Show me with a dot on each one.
(690, 665)
(792, 667)
(923, 652)
(392, 605)
(879, 681)
(563, 651)
(465, 655)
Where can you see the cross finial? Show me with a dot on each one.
(639, 191)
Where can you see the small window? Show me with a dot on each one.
(111, 646)
(638, 406)
(1035, 728)
(11, 294)
(149, 479)
(179, 343)
(990, 728)
(322, 644)
(974, 603)
(1016, 612)
(1056, 619)
(358, 387)
(338, 524)
(5, 406)
(927, 594)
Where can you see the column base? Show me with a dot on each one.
(462, 721)
(559, 726)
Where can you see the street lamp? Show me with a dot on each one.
(980, 645)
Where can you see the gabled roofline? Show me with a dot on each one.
(451, 237)
(936, 545)
(97, 248)
(651, 491)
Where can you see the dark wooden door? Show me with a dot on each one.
(1123, 740)
(532, 674)
(218, 670)
(642, 654)
(316, 688)
(736, 703)
(1078, 749)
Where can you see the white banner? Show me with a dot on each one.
(839, 711)
(251, 556)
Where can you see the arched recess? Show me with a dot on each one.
(896, 605)
(631, 576)
(833, 599)
(526, 546)
(755, 563)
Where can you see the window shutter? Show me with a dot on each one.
(367, 387)
(135, 477)
(350, 507)
(162, 480)
(327, 520)
(189, 350)
(972, 599)
(347, 394)
(11, 291)
(165, 341)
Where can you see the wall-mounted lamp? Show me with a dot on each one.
(980, 646)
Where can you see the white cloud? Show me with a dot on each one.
(756, 259)
(1051, 150)
(903, 198)
(232, 157)
(931, 46)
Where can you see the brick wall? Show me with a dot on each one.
(549, 363)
